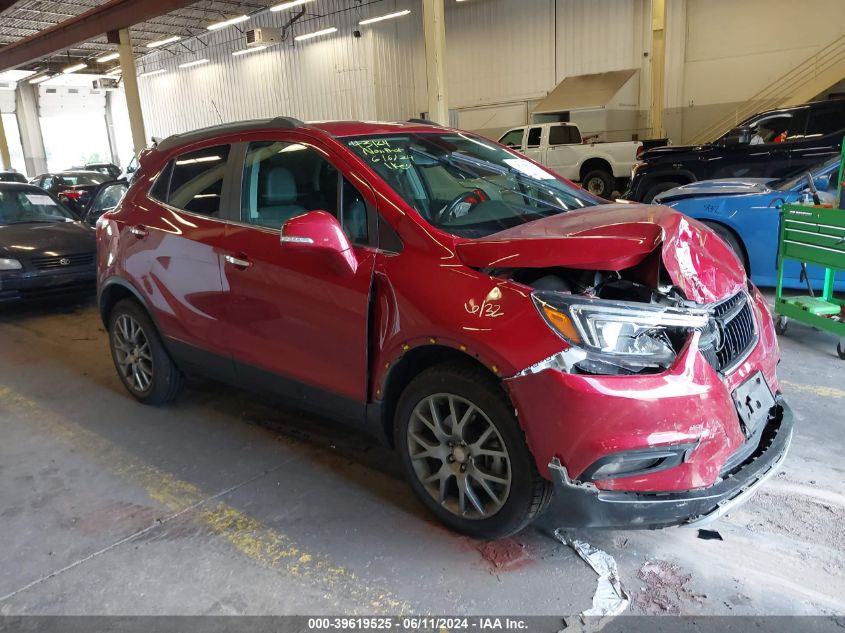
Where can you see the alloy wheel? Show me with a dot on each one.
(459, 456)
(132, 350)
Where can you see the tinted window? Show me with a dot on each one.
(563, 135)
(826, 122)
(534, 135)
(282, 180)
(512, 138)
(107, 199)
(162, 184)
(196, 182)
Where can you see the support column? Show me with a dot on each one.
(5, 158)
(110, 128)
(32, 142)
(658, 65)
(434, 30)
(133, 97)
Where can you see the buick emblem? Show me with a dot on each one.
(64, 261)
(719, 343)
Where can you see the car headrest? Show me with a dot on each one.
(279, 187)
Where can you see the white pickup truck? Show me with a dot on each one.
(599, 167)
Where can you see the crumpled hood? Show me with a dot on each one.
(615, 237)
(723, 187)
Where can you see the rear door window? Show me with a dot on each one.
(195, 181)
(824, 122)
(563, 135)
(534, 136)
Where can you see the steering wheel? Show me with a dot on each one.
(471, 198)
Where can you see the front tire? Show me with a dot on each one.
(465, 455)
(142, 363)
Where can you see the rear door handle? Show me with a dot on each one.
(237, 262)
(139, 231)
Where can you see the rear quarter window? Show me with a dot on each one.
(194, 181)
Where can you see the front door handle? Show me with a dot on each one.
(139, 231)
(237, 262)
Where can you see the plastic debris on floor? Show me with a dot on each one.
(609, 599)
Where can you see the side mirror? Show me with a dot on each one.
(822, 183)
(738, 136)
(320, 232)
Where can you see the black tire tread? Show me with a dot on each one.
(168, 379)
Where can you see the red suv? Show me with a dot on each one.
(520, 342)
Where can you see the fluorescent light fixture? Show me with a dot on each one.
(289, 5)
(114, 71)
(40, 78)
(152, 72)
(229, 22)
(244, 51)
(168, 40)
(108, 58)
(196, 62)
(387, 16)
(74, 68)
(308, 36)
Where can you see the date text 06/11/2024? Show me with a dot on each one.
(422, 623)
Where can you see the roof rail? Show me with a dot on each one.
(424, 122)
(279, 122)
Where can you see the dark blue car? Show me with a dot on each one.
(745, 212)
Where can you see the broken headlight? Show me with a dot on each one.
(618, 336)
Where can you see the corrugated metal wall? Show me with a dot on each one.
(499, 52)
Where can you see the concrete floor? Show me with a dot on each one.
(224, 504)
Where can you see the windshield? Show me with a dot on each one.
(22, 206)
(800, 177)
(466, 185)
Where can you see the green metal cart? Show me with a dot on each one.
(813, 235)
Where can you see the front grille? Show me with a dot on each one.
(64, 261)
(731, 334)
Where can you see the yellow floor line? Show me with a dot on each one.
(824, 392)
(260, 543)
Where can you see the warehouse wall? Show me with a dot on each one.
(732, 50)
(502, 57)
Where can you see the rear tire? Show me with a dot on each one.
(142, 363)
(658, 188)
(730, 238)
(465, 455)
(599, 183)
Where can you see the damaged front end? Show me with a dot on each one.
(661, 405)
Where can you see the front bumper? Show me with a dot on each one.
(579, 505)
(42, 285)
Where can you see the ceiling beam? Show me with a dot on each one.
(111, 16)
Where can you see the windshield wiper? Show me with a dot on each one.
(455, 160)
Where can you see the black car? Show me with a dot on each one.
(771, 144)
(109, 169)
(12, 176)
(74, 188)
(45, 250)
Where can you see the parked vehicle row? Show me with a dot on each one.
(523, 344)
(47, 249)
